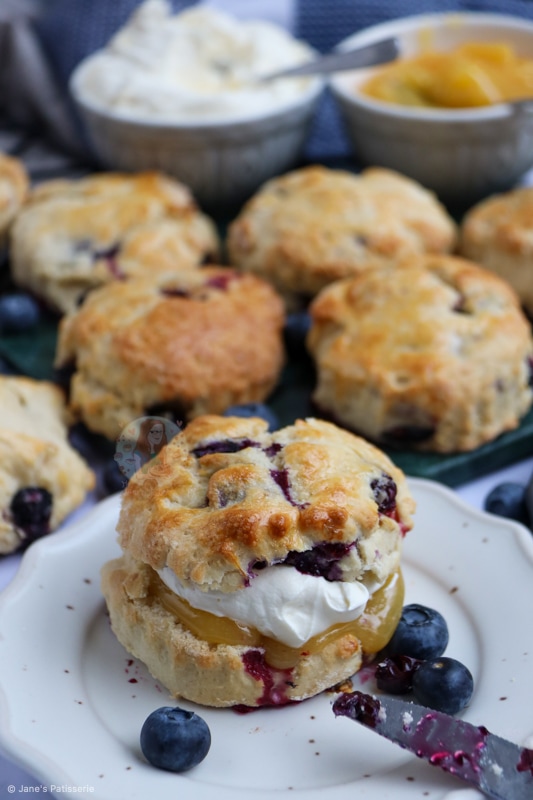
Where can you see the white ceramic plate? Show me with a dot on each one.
(72, 702)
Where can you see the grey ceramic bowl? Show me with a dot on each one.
(461, 154)
(222, 163)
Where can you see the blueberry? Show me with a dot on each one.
(254, 410)
(175, 739)
(385, 490)
(6, 368)
(297, 326)
(113, 478)
(443, 684)
(31, 509)
(508, 500)
(421, 633)
(18, 312)
(395, 674)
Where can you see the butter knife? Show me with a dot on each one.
(493, 765)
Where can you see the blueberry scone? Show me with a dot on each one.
(498, 233)
(42, 478)
(14, 186)
(434, 356)
(315, 225)
(197, 344)
(259, 568)
(74, 235)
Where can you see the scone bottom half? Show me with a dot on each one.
(259, 568)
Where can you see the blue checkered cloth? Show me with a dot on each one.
(70, 30)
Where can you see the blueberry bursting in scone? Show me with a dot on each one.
(259, 568)
(42, 478)
(435, 355)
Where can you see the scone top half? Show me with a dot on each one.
(230, 499)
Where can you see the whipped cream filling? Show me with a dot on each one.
(200, 64)
(280, 602)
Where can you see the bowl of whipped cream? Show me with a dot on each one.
(182, 93)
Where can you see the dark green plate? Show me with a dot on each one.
(33, 354)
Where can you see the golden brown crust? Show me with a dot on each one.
(315, 225)
(210, 516)
(438, 349)
(14, 186)
(200, 343)
(498, 233)
(35, 452)
(212, 675)
(74, 235)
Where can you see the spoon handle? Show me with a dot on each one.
(365, 56)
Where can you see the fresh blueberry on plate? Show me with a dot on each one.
(175, 739)
(443, 684)
(18, 312)
(508, 500)
(297, 326)
(421, 633)
(254, 410)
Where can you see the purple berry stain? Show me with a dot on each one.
(221, 282)
(109, 255)
(526, 761)
(174, 291)
(275, 681)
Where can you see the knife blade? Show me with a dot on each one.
(493, 765)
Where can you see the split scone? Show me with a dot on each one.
(315, 225)
(197, 344)
(434, 356)
(498, 233)
(74, 235)
(14, 186)
(259, 568)
(42, 478)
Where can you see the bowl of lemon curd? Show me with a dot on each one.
(443, 113)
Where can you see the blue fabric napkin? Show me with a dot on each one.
(323, 23)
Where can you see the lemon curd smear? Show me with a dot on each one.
(471, 75)
(373, 628)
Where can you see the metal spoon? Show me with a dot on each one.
(365, 56)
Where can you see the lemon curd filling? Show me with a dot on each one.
(373, 628)
(471, 75)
